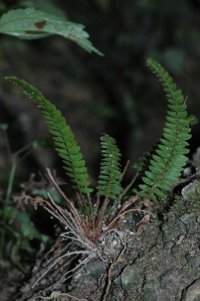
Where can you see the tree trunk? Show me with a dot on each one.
(161, 263)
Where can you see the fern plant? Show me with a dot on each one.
(96, 217)
(167, 163)
(89, 217)
(110, 172)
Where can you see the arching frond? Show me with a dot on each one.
(167, 163)
(64, 141)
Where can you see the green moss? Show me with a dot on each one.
(190, 199)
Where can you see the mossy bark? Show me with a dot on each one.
(161, 263)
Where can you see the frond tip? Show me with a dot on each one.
(63, 138)
(167, 162)
(110, 175)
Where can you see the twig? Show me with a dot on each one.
(109, 274)
(57, 294)
(125, 170)
(56, 261)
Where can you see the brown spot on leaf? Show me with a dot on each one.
(40, 24)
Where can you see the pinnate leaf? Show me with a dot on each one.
(63, 138)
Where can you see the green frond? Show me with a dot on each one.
(167, 163)
(110, 173)
(63, 138)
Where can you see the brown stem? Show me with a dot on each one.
(73, 210)
(102, 213)
(125, 170)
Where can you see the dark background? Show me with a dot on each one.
(116, 93)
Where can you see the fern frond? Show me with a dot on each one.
(110, 173)
(63, 138)
(170, 157)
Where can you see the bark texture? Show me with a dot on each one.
(160, 264)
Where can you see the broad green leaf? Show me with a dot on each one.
(30, 23)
